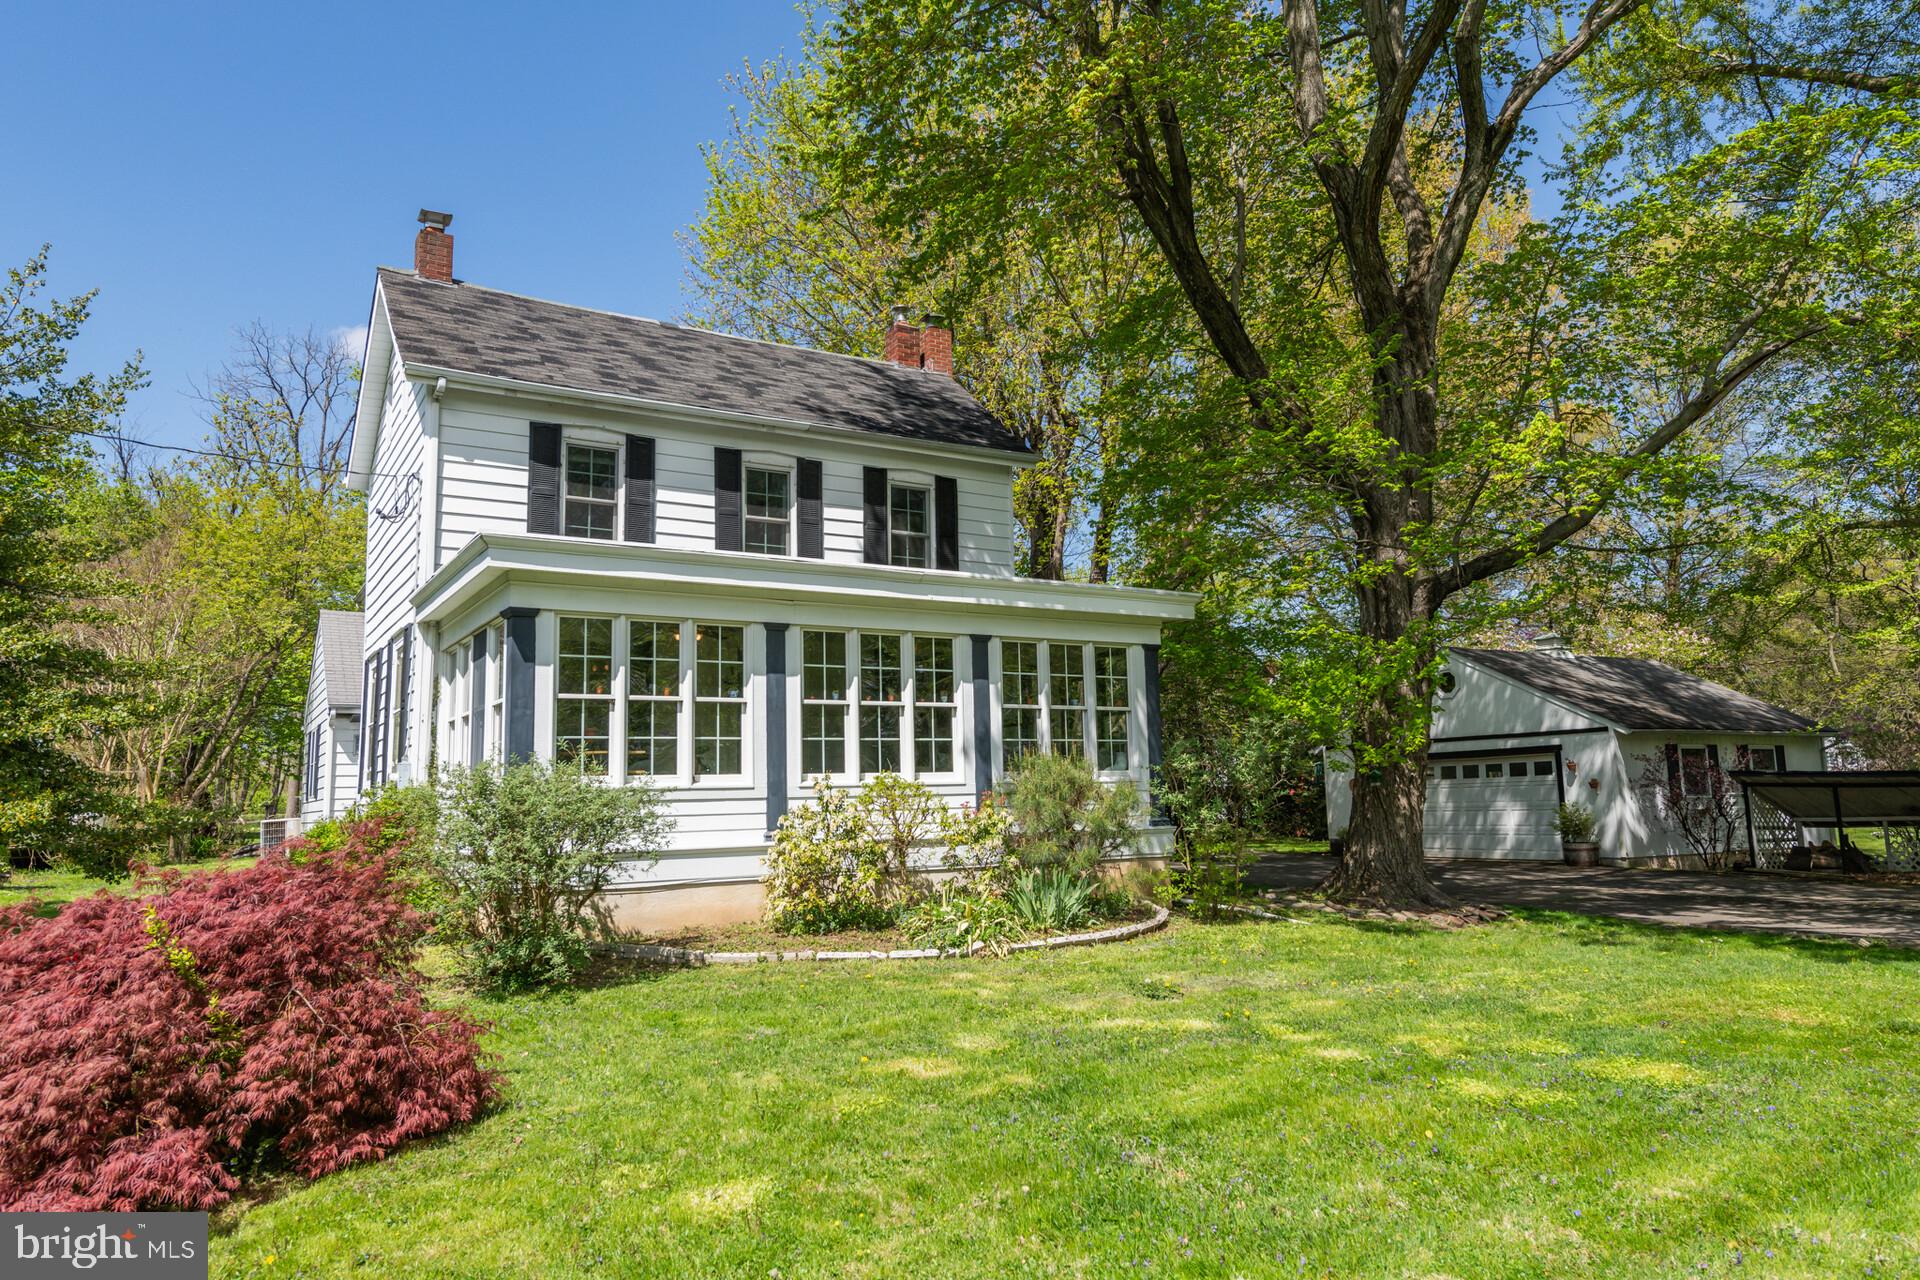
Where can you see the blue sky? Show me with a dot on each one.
(205, 166)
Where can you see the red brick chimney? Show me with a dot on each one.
(936, 343)
(903, 340)
(433, 247)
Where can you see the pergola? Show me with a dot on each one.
(1886, 798)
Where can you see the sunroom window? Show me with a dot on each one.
(583, 702)
(719, 698)
(823, 702)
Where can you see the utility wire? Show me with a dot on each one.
(303, 467)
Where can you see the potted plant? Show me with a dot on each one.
(1577, 845)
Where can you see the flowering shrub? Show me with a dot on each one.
(841, 860)
(266, 1016)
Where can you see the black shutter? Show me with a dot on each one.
(726, 500)
(813, 532)
(368, 684)
(874, 515)
(946, 522)
(639, 489)
(477, 682)
(543, 477)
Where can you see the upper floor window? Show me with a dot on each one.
(768, 500)
(910, 526)
(593, 491)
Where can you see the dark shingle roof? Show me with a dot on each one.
(1636, 693)
(465, 328)
(342, 644)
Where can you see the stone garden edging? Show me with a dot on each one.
(687, 957)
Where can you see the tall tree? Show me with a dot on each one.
(50, 565)
(1418, 421)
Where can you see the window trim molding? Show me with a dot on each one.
(607, 442)
(773, 464)
(915, 481)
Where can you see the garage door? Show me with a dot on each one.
(1493, 807)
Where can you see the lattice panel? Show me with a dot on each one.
(1903, 849)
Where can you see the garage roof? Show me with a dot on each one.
(1866, 797)
(1638, 693)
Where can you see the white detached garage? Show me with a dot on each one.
(1517, 732)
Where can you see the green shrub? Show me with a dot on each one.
(843, 860)
(976, 838)
(1576, 823)
(1063, 816)
(1215, 876)
(1051, 900)
(955, 918)
(411, 813)
(521, 853)
(325, 836)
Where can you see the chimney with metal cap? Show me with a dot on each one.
(903, 339)
(433, 247)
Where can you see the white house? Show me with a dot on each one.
(331, 778)
(727, 565)
(1517, 732)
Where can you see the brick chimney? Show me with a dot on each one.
(903, 340)
(936, 343)
(433, 247)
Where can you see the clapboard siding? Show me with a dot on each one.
(483, 442)
(394, 563)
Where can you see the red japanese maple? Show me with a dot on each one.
(272, 1014)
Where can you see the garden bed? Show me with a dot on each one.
(757, 943)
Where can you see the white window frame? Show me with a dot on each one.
(496, 730)
(1776, 756)
(1706, 767)
(919, 485)
(611, 698)
(1098, 709)
(910, 655)
(624, 680)
(898, 706)
(457, 695)
(845, 702)
(601, 442)
(781, 467)
(689, 649)
(1043, 661)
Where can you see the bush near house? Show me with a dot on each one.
(520, 855)
(154, 1050)
(1024, 861)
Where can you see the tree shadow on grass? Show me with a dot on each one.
(1612, 931)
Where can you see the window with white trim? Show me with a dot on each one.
(653, 698)
(1112, 709)
(583, 695)
(719, 699)
(1695, 771)
(934, 707)
(1762, 759)
(1019, 698)
(823, 703)
(593, 491)
(496, 690)
(910, 526)
(768, 500)
(458, 742)
(882, 701)
(1067, 700)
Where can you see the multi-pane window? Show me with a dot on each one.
(910, 526)
(881, 701)
(459, 704)
(1110, 707)
(719, 698)
(1020, 698)
(767, 505)
(823, 702)
(496, 690)
(593, 490)
(1696, 772)
(653, 698)
(1067, 699)
(583, 694)
(1763, 759)
(933, 704)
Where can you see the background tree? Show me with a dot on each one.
(1416, 421)
(51, 565)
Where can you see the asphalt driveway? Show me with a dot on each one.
(1768, 903)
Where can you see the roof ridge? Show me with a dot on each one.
(665, 324)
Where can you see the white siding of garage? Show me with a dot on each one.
(1473, 815)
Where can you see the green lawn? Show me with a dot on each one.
(59, 886)
(1543, 1097)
